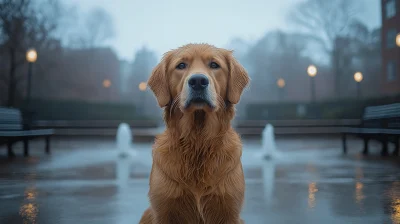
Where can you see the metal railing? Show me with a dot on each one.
(331, 126)
(99, 127)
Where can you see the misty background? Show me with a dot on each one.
(97, 55)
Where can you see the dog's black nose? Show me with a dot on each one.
(198, 82)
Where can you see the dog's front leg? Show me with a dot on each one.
(222, 210)
(225, 204)
(176, 211)
(170, 204)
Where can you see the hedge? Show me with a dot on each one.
(335, 109)
(81, 110)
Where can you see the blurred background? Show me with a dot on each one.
(95, 56)
(325, 90)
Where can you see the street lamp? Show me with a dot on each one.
(106, 83)
(398, 40)
(312, 72)
(142, 88)
(358, 77)
(281, 84)
(31, 57)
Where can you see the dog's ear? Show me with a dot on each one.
(158, 82)
(238, 79)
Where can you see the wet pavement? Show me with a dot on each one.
(84, 181)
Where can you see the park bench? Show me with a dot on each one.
(381, 123)
(12, 130)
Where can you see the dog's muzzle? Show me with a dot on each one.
(198, 93)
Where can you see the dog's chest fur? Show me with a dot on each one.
(198, 155)
(201, 162)
(197, 165)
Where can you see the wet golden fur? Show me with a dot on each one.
(197, 175)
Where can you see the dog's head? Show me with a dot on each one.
(198, 77)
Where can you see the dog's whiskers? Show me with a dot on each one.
(174, 103)
(221, 101)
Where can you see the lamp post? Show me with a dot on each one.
(31, 57)
(358, 77)
(107, 84)
(312, 72)
(142, 88)
(281, 84)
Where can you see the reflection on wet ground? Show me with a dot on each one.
(84, 181)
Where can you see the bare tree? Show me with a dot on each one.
(97, 27)
(24, 24)
(327, 23)
(324, 20)
(276, 55)
(100, 26)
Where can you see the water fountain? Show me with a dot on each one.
(125, 154)
(268, 145)
(269, 151)
(124, 140)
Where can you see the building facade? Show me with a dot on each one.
(80, 74)
(390, 79)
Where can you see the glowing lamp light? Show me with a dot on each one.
(31, 55)
(358, 76)
(142, 86)
(312, 71)
(398, 40)
(281, 83)
(106, 83)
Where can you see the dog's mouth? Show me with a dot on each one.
(199, 102)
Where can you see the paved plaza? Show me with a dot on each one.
(84, 181)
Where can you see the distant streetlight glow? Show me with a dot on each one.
(142, 86)
(281, 83)
(398, 40)
(312, 71)
(31, 55)
(106, 83)
(358, 77)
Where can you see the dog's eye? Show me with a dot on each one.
(214, 65)
(181, 66)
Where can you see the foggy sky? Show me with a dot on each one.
(164, 25)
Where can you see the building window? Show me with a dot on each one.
(391, 70)
(391, 38)
(390, 8)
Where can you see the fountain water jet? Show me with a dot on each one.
(125, 153)
(268, 145)
(124, 141)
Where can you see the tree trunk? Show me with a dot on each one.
(12, 85)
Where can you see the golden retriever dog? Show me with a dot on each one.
(197, 175)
